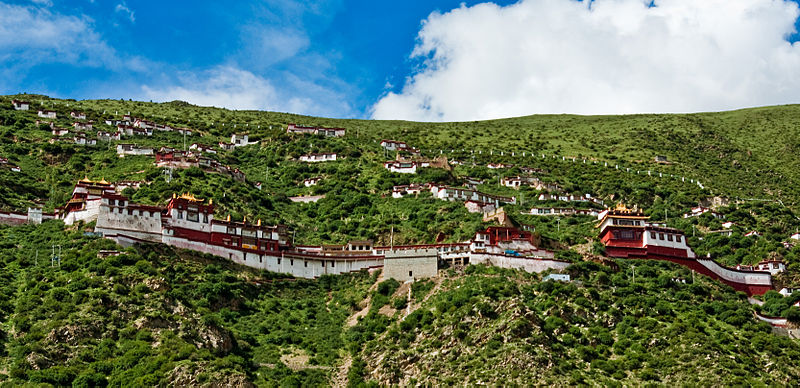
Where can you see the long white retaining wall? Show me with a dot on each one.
(526, 264)
(749, 278)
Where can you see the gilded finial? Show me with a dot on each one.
(229, 218)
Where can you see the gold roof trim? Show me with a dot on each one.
(190, 197)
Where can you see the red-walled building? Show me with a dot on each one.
(626, 234)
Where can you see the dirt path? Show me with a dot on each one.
(353, 319)
(340, 378)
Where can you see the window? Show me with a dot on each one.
(192, 216)
(333, 264)
(291, 262)
(180, 215)
(669, 237)
(661, 236)
(653, 235)
(678, 238)
(775, 265)
(279, 261)
(410, 274)
(305, 263)
(625, 235)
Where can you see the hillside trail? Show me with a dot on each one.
(352, 320)
(437, 284)
(340, 378)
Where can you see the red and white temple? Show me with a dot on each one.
(627, 234)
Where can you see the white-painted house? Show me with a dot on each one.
(401, 167)
(202, 148)
(316, 158)
(21, 105)
(239, 140)
(48, 114)
(132, 149)
(82, 126)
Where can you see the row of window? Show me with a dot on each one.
(625, 222)
(669, 236)
(136, 212)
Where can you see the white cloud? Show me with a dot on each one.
(617, 56)
(234, 88)
(123, 9)
(30, 36)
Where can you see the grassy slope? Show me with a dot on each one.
(748, 153)
(158, 316)
(499, 327)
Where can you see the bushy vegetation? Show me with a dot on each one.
(156, 316)
(496, 326)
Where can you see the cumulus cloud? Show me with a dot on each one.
(31, 35)
(603, 57)
(233, 88)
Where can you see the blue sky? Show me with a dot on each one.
(366, 59)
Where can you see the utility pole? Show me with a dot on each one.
(56, 260)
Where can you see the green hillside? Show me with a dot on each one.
(159, 316)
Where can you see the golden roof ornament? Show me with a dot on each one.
(190, 197)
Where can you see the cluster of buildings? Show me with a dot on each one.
(190, 223)
(308, 130)
(474, 200)
(586, 198)
(561, 211)
(410, 166)
(516, 182)
(132, 126)
(173, 158)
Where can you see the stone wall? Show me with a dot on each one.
(410, 264)
(143, 225)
